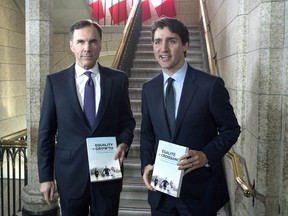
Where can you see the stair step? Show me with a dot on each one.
(132, 167)
(145, 73)
(137, 82)
(134, 151)
(135, 93)
(133, 212)
(138, 115)
(126, 204)
(133, 180)
(138, 192)
(136, 105)
(133, 164)
(132, 161)
(136, 143)
(136, 135)
(132, 207)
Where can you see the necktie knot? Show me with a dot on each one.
(170, 89)
(170, 81)
(89, 74)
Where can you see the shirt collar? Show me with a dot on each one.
(79, 71)
(179, 75)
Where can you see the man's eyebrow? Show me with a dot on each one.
(169, 38)
(92, 40)
(172, 38)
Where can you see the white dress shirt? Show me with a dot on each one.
(81, 79)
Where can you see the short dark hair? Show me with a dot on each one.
(85, 23)
(174, 25)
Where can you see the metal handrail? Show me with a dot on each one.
(124, 39)
(248, 191)
(208, 39)
(14, 136)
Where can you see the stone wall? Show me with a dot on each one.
(12, 69)
(250, 41)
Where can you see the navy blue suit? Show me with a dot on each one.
(205, 122)
(62, 116)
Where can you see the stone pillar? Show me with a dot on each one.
(39, 34)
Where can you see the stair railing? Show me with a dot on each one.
(212, 55)
(12, 178)
(247, 190)
(127, 47)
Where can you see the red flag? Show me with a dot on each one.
(164, 7)
(118, 12)
(146, 12)
(97, 9)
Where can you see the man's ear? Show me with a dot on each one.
(71, 46)
(186, 46)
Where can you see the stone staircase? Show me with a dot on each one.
(134, 194)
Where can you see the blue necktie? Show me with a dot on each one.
(89, 100)
(170, 104)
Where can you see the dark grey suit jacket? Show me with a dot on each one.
(205, 122)
(62, 116)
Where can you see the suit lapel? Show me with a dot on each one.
(69, 78)
(187, 96)
(106, 85)
(158, 102)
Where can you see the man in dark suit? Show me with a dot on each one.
(64, 127)
(202, 119)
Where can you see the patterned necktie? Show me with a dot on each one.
(170, 104)
(89, 99)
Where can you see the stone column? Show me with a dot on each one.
(39, 34)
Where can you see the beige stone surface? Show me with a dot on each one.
(12, 69)
(252, 37)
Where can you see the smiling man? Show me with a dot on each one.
(191, 108)
(70, 114)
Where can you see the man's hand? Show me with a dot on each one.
(192, 160)
(120, 152)
(48, 189)
(147, 176)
